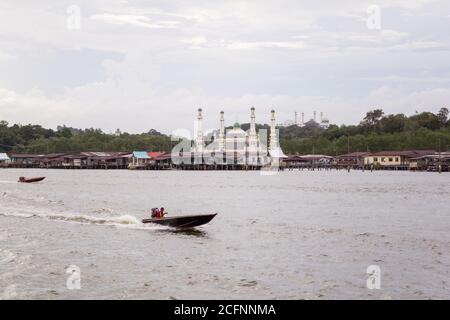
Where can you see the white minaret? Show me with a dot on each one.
(295, 121)
(253, 137)
(221, 138)
(199, 143)
(252, 121)
(273, 133)
(321, 116)
(315, 116)
(303, 118)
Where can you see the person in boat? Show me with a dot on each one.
(158, 213)
(155, 212)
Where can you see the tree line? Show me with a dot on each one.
(376, 131)
(36, 139)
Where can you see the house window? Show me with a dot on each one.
(375, 159)
(382, 159)
(390, 159)
(396, 159)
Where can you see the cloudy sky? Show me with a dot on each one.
(137, 65)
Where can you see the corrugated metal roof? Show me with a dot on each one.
(23, 155)
(4, 156)
(308, 157)
(154, 154)
(141, 155)
(354, 154)
(437, 155)
(98, 155)
(315, 156)
(407, 153)
(74, 156)
(163, 156)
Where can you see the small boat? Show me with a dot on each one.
(29, 180)
(182, 221)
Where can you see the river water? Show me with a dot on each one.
(292, 235)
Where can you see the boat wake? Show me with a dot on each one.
(127, 221)
(8, 181)
(121, 220)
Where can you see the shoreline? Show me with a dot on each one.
(308, 169)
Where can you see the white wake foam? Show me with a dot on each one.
(8, 181)
(119, 221)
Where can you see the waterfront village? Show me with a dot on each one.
(233, 149)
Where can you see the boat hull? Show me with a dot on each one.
(37, 179)
(182, 221)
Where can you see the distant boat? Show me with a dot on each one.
(29, 180)
(182, 221)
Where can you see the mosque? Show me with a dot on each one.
(238, 147)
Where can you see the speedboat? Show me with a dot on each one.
(29, 180)
(182, 221)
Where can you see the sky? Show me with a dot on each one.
(137, 65)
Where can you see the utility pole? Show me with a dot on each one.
(348, 151)
(313, 163)
(440, 160)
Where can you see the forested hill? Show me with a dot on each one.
(375, 132)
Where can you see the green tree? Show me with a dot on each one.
(424, 120)
(393, 123)
(372, 119)
(442, 116)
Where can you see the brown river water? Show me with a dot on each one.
(292, 235)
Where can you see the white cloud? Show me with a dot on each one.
(421, 45)
(204, 43)
(7, 96)
(392, 35)
(266, 44)
(134, 20)
(5, 56)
